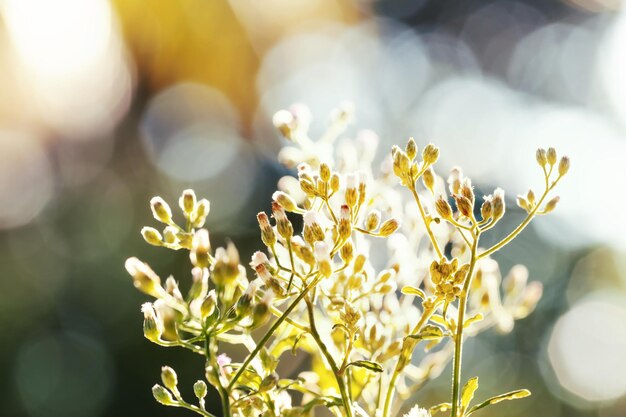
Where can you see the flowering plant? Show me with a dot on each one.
(355, 288)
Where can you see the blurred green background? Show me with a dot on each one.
(105, 104)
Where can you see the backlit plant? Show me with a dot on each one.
(387, 260)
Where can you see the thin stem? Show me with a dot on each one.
(193, 408)
(331, 362)
(522, 225)
(210, 351)
(458, 338)
(426, 222)
(271, 331)
(407, 350)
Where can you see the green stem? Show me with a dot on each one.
(331, 362)
(210, 352)
(458, 338)
(271, 331)
(522, 225)
(426, 222)
(405, 356)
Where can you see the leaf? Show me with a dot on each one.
(513, 395)
(428, 332)
(467, 394)
(372, 366)
(325, 401)
(439, 319)
(474, 319)
(408, 290)
(440, 407)
(295, 343)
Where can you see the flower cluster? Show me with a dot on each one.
(376, 269)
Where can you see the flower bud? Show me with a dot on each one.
(313, 230)
(372, 221)
(454, 180)
(463, 204)
(351, 193)
(208, 305)
(551, 156)
(467, 190)
(335, 182)
(542, 157)
(261, 311)
(187, 202)
(345, 227)
(388, 227)
(285, 201)
(200, 213)
(152, 236)
(563, 166)
(200, 248)
(144, 278)
(347, 252)
(486, 209)
(267, 232)
(443, 208)
(411, 149)
(359, 263)
(161, 210)
(325, 172)
(498, 204)
(152, 325)
(169, 379)
(283, 225)
(551, 205)
(226, 265)
(322, 255)
(285, 122)
(430, 154)
(162, 395)
(170, 235)
(428, 178)
(530, 196)
(523, 203)
(200, 389)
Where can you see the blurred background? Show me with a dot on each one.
(104, 104)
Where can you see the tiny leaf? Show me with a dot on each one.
(469, 389)
(428, 332)
(474, 319)
(408, 290)
(372, 366)
(440, 407)
(513, 395)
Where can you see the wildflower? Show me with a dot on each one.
(417, 412)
